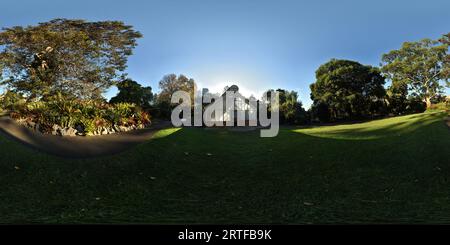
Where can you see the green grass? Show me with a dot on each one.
(394, 170)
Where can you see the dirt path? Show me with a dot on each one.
(78, 147)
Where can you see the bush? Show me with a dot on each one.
(87, 116)
(416, 106)
(11, 101)
(441, 106)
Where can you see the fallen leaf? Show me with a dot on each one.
(208, 154)
(152, 178)
(16, 168)
(308, 204)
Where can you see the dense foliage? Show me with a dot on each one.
(86, 116)
(420, 67)
(290, 107)
(69, 56)
(348, 90)
(132, 92)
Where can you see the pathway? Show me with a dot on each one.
(78, 146)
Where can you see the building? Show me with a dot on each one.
(244, 111)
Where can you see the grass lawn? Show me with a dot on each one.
(394, 170)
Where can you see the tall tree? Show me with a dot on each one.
(74, 57)
(132, 92)
(420, 65)
(446, 71)
(169, 84)
(347, 88)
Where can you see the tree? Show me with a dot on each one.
(420, 65)
(132, 92)
(320, 111)
(73, 57)
(169, 84)
(446, 71)
(291, 109)
(397, 98)
(347, 89)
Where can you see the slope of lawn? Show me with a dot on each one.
(394, 170)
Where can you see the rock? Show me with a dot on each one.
(97, 132)
(111, 130)
(123, 129)
(104, 131)
(69, 132)
(56, 130)
(31, 124)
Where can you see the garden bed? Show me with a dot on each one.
(75, 117)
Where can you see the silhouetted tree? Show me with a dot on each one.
(320, 111)
(291, 108)
(132, 92)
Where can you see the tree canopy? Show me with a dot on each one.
(421, 66)
(348, 89)
(171, 83)
(446, 40)
(291, 109)
(73, 57)
(132, 92)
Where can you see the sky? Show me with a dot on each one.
(256, 45)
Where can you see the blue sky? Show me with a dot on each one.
(255, 44)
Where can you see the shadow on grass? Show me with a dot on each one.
(80, 147)
(195, 175)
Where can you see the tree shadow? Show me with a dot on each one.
(79, 147)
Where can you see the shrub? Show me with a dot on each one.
(120, 113)
(416, 106)
(86, 115)
(440, 106)
(12, 101)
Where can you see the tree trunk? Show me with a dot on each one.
(428, 102)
